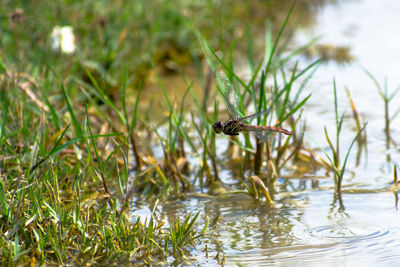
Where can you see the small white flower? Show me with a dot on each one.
(63, 38)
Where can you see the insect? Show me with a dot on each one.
(235, 124)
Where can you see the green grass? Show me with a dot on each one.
(386, 98)
(337, 165)
(77, 153)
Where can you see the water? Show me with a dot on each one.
(371, 29)
(308, 226)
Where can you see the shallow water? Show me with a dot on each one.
(308, 227)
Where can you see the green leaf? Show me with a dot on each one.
(3, 67)
(75, 122)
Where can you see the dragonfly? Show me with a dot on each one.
(235, 124)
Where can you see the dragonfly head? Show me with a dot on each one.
(218, 127)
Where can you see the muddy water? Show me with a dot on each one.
(309, 226)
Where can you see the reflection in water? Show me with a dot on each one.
(337, 200)
(301, 229)
(373, 249)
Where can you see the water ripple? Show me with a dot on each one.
(377, 248)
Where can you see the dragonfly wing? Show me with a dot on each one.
(258, 114)
(226, 91)
(231, 109)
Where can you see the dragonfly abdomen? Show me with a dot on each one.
(263, 128)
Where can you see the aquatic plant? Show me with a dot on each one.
(338, 166)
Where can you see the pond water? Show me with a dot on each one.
(309, 226)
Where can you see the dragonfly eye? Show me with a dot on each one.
(218, 127)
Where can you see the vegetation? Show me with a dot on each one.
(79, 150)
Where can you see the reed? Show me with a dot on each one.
(362, 140)
(338, 166)
(386, 98)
